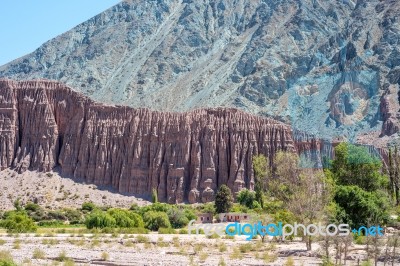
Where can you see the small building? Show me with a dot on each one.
(234, 217)
(205, 218)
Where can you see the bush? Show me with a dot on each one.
(56, 215)
(19, 222)
(177, 218)
(50, 223)
(100, 219)
(88, 206)
(6, 259)
(166, 231)
(246, 198)
(32, 207)
(38, 254)
(125, 218)
(154, 220)
(73, 216)
(356, 206)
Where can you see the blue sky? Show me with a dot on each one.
(26, 24)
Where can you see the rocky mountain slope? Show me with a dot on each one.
(322, 66)
(185, 156)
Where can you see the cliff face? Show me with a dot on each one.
(320, 65)
(186, 156)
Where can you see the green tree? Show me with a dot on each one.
(358, 207)
(305, 192)
(260, 167)
(360, 197)
(223, 199)
(246, 198)
(154, 196)
(125, 218)
(100, 219)
(154, 220)
(19, 222)
(354, 165)
(177, 218)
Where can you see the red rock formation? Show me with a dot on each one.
(186, 156)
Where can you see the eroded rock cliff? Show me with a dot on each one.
(186, 156)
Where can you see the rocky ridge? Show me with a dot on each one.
(185, 156)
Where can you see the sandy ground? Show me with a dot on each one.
(87, 249)
(51, 190)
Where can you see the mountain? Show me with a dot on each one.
(329, 68)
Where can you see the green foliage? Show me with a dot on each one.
(17, 204)
(99, 219)
(177, 217)
(208, 207)
(88, 206)
(272, 206)
(73, 216)
(353, 165)
(154, 196)
(166, 231)
(32, 207)
(19, 222)
(246, 198)
(358, 207)
(125, 218)
(6, 259)
(260, 167)
(223, 199)
(157, 207)
(153, 220)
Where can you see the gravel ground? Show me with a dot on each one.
(155, 249)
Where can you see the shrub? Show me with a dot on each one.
(100, 219)
(50, 223)
(105, 256)
(142, 239)
(177, 218)
(246, 198)
(73, 216)
(32, 207)
(38, 254)
(154, 220)
(166, 231)
(6, 259)
(88, 206)
(183, 231)
(154, 196)
(19, 222)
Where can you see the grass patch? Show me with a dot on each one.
(38, 254)
(268, 257)
(203, 256)
(17, 244)
(289, 262)
(222, 247)
(175, 241)
(142, 239)
(166, 231)
(6, 258)
(105, 256)
(236, 254)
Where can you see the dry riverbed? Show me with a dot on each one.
(155, 249)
